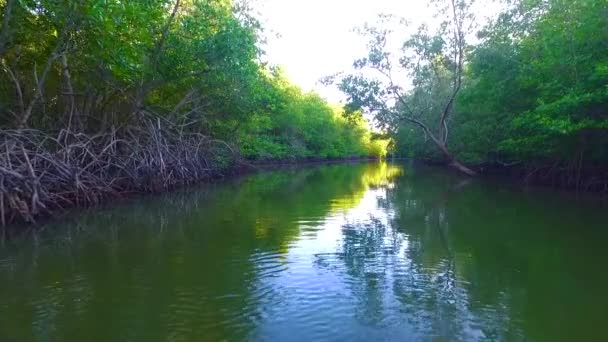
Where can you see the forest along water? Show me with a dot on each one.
(351, 252)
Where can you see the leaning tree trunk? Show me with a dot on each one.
(462, 168)
(441, 144)
(453, 162)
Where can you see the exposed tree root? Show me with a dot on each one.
(41, 174)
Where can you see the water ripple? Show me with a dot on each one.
(342, 253)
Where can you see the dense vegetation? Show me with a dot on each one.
(531, 95)
(99, 98)
(103, 97)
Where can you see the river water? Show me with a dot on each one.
(347, 252)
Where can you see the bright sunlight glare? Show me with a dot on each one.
(311, 39)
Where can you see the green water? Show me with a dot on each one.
(351, 252)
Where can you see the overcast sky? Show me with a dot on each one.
(316, 37)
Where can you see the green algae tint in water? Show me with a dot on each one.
(353, 252)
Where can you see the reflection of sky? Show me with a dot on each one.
(313, 291)
(339, 253)
(348, 277)
(327, 236)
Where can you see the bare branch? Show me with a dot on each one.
(18, 89)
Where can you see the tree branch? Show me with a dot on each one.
(5, 21)
(458, 70)
(144, 87)
(18, 89)
(22, 122)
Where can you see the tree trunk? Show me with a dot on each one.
(70, 110)
(23, 120)
(4, 34)
(453, 162)
(462, 168)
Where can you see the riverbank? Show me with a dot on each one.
(573, 177)
(43, 175)
(569, 177)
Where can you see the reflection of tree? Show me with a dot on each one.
(452, 255)
(382, 268)
(367, 249)
(455, 261)
(179, 266)
(425, 212)
(502, 252)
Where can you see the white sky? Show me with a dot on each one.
(316, 37)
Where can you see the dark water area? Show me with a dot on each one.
(346, 252)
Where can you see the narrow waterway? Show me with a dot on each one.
(348, 252)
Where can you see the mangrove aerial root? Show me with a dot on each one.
(42, 173)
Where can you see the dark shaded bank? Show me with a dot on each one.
(587, 179)
(574, 177)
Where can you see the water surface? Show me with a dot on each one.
(349, 252)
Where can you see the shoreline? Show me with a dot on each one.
(554, 176)
(516, 174)
(239, 168)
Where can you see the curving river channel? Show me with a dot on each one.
(348, 252)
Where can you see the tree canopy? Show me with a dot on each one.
(87, 66)
(532, 91)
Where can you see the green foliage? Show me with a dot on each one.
(303, 125)
(434, 63)
(536, 88)
(88, 66)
